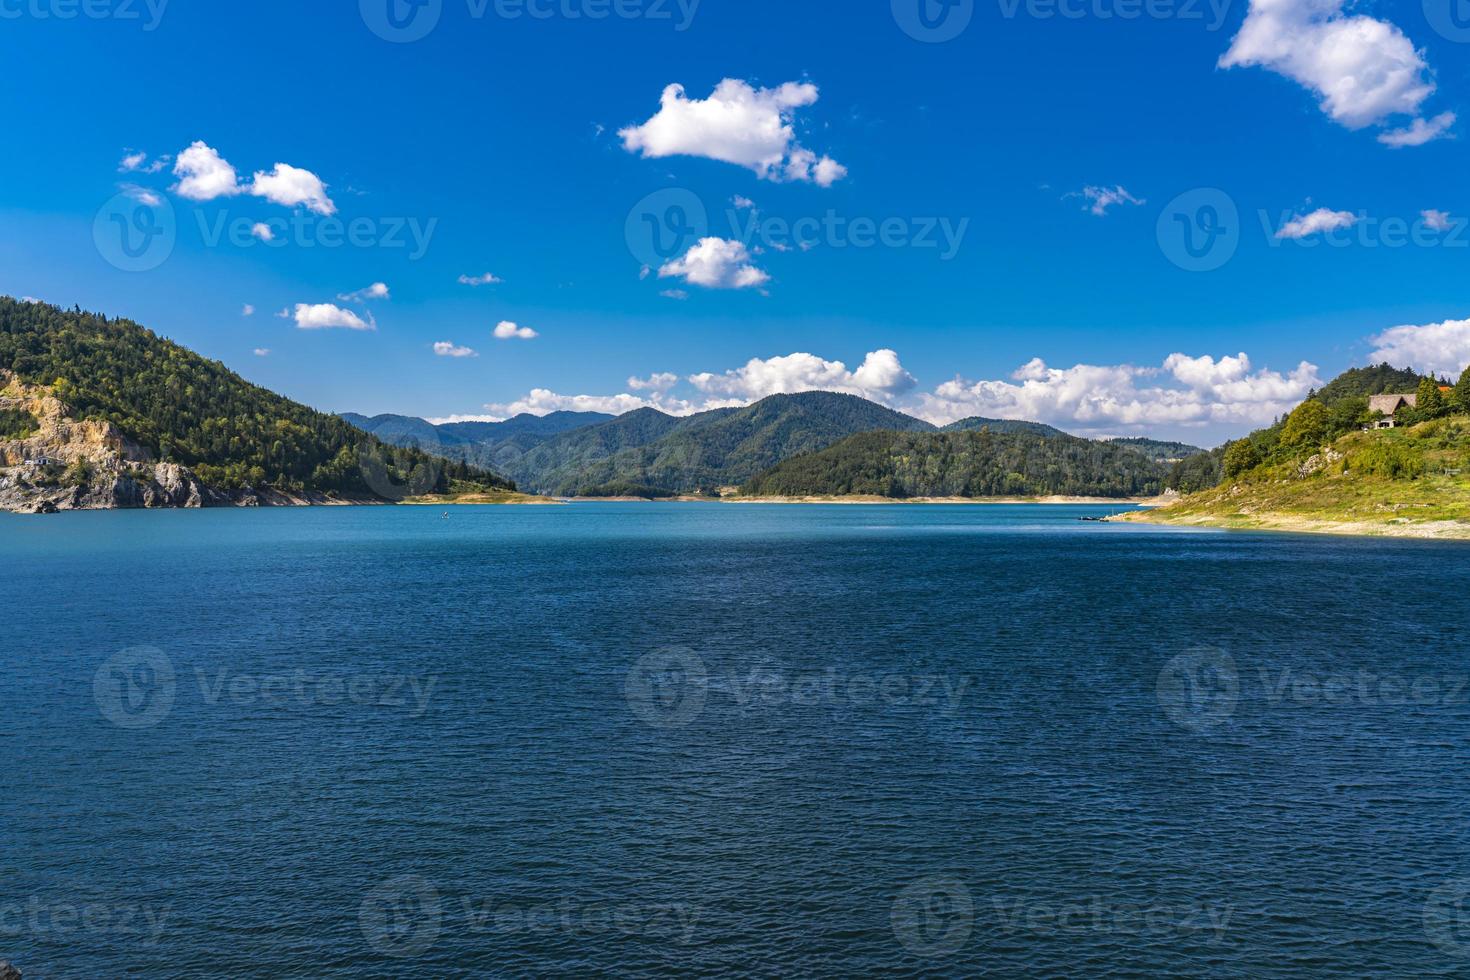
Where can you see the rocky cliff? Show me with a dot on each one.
(51, 462)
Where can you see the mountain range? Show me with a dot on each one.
(649, 453)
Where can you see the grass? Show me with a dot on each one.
(1393, 482)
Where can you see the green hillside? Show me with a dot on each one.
(493, 446)
(963, 464)
(703, 452)
(1318, 469)
(185, 409)
(1002, 426)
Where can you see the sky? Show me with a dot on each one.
(1122, 217)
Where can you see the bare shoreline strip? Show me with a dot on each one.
(1291, 524)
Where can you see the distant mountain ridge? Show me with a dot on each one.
(650, 453)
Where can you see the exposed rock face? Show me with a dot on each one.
(8, 972)
(70, 465)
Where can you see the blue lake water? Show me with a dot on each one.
(703, 740)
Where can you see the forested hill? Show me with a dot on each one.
(185, 409)
(725, 447)
(901, 465)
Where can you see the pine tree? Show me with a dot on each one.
(1461, 395)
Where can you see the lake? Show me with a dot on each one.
(710, 740)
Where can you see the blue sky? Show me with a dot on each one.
(1041, 155)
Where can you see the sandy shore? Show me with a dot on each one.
(1399, 528)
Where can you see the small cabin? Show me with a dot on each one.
(41, 461)
(1390, 406)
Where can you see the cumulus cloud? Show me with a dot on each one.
(1320, 220)
(1363, 71)
(378, 290)
(655, 382)
(1418, 132)
(1183, 391)
(542, 401)
(205, 175)
(880, 377)
(739, 124)
(262, 352)
(1436, 220)
(488, 279)
(291, 186)
(715, 263)
(506, 330)
(262, 231)
(1442, 348)
(325, 316)
(1099, 199)
(445, 348)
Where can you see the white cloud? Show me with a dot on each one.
(742, 203)
(446, 349)
(262, 352)
(1418, 132)
(262, 231)
(715, 263)
(488, 279)
(737, 124)
(880, 377)
(142, 195)
(247, 310)
(325, 316)
(204, 175)
(291, 186)
(1105, 398)
(674, 294)
(655, 382)
(542, 401)
(1099, 199)
(137, 162)
(1319, 220)
(1362, 70)
(452, 419)
(378, 290)
(506, 330)
(29, 299)
(1443, 348)
(1436, 220)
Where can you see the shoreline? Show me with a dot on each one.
(1278, 523)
